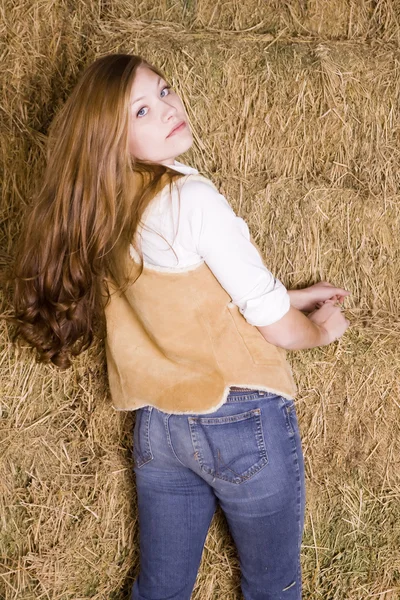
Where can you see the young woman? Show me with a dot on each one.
(125, 240)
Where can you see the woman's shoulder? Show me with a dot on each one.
(200, 198)
(198, 191)
(190, 180)
(196, 183)
(192, 196)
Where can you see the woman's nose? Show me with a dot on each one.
(168, 111)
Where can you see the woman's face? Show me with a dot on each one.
(158, 128)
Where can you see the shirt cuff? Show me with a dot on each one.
(266, 308)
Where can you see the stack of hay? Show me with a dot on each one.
(295, 113)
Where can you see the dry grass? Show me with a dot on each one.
(295, 112)
(341, 19)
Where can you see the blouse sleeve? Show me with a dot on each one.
(222, 239)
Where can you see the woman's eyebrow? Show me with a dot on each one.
(142, 97)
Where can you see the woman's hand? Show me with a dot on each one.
(314, 296)
(331, 319)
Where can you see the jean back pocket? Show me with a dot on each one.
(231, 448)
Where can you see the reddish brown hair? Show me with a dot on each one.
(86, 211)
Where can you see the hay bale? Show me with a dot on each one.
(312, 129)
(317, 19)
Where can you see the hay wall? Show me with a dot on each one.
(295, 112)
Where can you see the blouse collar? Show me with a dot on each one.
(181, 168)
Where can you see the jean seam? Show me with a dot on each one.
(288, 407)
(298, 503)
(228, 419)
(147, 455)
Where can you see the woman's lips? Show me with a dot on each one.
(177, 129)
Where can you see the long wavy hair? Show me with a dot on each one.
(85, 213)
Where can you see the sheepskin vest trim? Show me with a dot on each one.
(175, 341)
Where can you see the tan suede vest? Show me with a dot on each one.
(175, 341)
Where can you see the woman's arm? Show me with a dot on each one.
(295, 331)
(223, 240)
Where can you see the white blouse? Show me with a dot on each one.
(180, 232)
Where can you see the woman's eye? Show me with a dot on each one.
(164, 92)
(165, 89)
(141, 112)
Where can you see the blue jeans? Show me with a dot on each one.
(247, 456)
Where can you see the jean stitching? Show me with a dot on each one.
(147, 455)
(244, 397)
(250, 396)
(228, 419)
(288, 407)
(260, 437)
